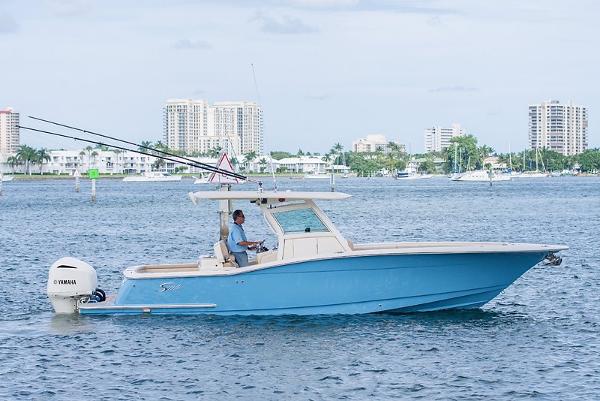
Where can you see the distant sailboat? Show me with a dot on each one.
(533, 174)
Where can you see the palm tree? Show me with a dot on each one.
(484, 151)
(145, 146)
(248, 157)
(27, 155)
(94, 155)
(88, 149)
(81, 154)
(263, 164)
(116, 163)
(42, 156)
(393, 146)
(336, 152)
(161, 147)
(214, 152)
(13, 161)
(158, 164)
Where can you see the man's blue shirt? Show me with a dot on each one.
(236, 235)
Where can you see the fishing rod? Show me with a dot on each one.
(206, 166)
(193, 164)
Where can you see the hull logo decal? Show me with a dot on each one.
(169, 287)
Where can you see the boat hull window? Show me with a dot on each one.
(299, 221)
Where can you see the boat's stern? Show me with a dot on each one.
(72, 282)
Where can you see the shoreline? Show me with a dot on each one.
(38, 177)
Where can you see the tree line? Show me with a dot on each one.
(28, 156)
(463, 154)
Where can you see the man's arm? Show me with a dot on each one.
(237, 237)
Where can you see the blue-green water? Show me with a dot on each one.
(539, 339)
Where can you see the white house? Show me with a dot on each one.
(109, 162)
(304, 164)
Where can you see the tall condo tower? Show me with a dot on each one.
(9, 132)
(197, 126)
(558, 127)
(438, 138)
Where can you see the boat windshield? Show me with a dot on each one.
(299, 220)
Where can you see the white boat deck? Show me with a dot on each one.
(367, 249)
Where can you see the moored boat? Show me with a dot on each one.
(531, 174)
(153, 176)
(317, 176)
(480, 176)
(410, 175)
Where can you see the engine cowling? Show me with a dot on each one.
(70, 280)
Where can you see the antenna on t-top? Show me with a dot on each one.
(258, 100)
(255, 84)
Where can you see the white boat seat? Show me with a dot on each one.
(222, 254)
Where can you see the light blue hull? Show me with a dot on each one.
(349, 285)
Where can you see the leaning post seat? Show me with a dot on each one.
(222, 254)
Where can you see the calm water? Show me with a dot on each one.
(539, 339)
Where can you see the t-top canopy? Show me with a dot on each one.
(254, 195)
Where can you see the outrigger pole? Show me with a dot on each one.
(191, 163)
(197, 163)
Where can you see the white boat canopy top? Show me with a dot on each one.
(269, 196)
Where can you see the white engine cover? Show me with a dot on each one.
(70, 279)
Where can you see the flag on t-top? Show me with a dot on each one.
(223, 164)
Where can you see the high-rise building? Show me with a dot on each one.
(9, 132)
(186, 125)
(197, 126)
(373, 143)
(438, 138)
(242, 120)
(558, 127)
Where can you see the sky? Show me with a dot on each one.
(327, 71)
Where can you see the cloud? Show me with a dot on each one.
(186, 44)
(70, 8)
(322, 96)
(406, 7)
(429, 7)
(285, 25)
(454, 88)
(435, 20)
(323, 3)
(8, 24)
